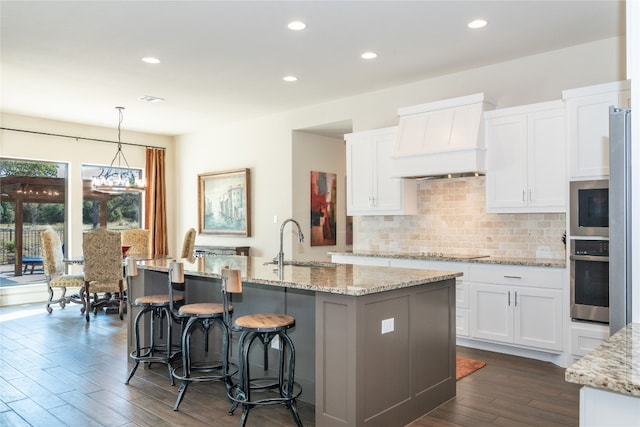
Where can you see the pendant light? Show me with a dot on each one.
(119, 178)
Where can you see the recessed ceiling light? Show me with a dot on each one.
(149, 98)
(150, 60)
(297, 25)
(290, 78)
(369, 55)
(477, 23)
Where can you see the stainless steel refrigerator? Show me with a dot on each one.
(619, 218)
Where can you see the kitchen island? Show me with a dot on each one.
(375, 346)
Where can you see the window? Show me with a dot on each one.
(32, 197)
(116, 212)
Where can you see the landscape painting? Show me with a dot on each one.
(224, 202)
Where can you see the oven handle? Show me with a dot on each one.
(589, 258)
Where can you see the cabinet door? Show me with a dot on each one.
(588, 132)
(491, 312)
(506, 179)
(538, 318)
(546, 178)
(360, 173)
(387, 190)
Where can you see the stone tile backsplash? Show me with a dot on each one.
(452, 219)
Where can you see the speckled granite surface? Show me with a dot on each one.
(319, 277)
(613, 366)
(478, 259)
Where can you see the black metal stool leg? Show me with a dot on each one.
(136, 334)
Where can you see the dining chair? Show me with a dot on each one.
(55, 273)
(138, 239)
(103, 270)
(189, 244)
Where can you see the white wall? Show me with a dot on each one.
(266, 145)
(322, 154)
(76, 153)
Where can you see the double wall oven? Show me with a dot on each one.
(589, 256)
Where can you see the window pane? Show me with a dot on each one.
(118, 212)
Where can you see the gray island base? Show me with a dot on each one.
(375, 346)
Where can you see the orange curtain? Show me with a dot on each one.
(155, 201)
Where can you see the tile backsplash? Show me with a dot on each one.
(452, 219)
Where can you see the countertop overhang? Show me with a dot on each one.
(343, 279)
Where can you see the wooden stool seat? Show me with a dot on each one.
(265, 322)
(202, 309)
(157, 299)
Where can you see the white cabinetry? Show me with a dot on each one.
(371, 190)
(526, 158)
(588, 126)
(585, 337)
(517, 305)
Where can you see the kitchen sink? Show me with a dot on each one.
(304, 264)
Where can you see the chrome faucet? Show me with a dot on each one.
(300, 239)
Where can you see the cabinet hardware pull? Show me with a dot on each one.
(508, 298)
(530, 195)
(513, 277)
(523, 199)
(515, 299)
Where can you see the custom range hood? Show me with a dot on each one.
(441, 139)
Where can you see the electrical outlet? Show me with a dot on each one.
(393, 246)
(275, 342)
(387, 326)
(275, 219)
(543, 252)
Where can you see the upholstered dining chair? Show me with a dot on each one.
(138, 239)
(103, 270)
(55, 273)
(189, 244)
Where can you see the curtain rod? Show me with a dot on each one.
(81, 137)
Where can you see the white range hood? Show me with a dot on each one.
(441, 138)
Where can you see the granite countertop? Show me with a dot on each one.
(613, 366)
(314, 276)
(477, 259)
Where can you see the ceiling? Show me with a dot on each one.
(223, 61)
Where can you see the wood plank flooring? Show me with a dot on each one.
(57, 370)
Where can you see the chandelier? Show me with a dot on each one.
(118, 178)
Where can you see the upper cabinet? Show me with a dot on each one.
(526, 159)
(371, 189)
(588, 126)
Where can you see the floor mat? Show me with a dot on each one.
(466, 367)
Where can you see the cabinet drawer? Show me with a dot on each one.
(462, 323)
(462, 295)
(586, 338)
(515, 275)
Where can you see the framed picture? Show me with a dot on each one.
(224, 203)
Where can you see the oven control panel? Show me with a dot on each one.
(590, 247)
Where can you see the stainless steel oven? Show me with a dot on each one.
(590, 280)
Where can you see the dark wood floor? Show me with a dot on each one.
(58, 370)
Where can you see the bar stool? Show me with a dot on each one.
(158, 307)
(265, 327)
(207, 316)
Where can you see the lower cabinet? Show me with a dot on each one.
(517, 315)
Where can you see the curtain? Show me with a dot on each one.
(155, 201)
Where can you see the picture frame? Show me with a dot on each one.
(224, 203)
